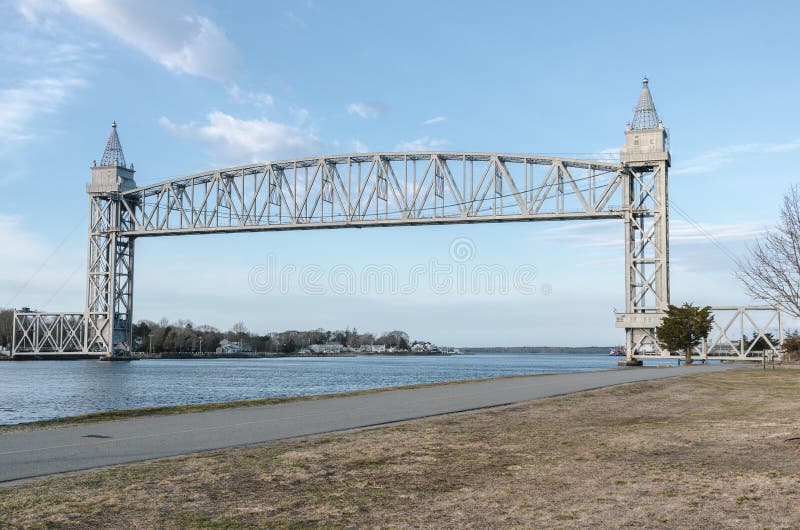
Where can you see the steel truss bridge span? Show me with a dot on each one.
(376, 189)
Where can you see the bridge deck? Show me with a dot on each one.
(376, 189)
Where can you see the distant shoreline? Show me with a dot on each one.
(271, 355)
(463, 351)
(538, 349)
(520, 350)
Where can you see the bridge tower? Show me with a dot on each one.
(646, 160)
(109, 269)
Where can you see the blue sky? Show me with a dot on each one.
(195, 85)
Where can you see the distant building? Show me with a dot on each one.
(231, 346)
(326, 348)
(424, 347)
(377, 348)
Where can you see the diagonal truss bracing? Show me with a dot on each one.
(48, 333)
(376, 189)
(744, 333)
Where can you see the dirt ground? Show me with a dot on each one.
(706, 451)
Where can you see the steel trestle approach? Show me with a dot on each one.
(367, 190)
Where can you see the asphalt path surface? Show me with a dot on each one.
(38, 452)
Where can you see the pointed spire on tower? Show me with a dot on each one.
(645, 116)
(113, 155)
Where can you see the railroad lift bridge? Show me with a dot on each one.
(388, 189)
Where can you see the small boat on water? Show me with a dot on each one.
(619, 351)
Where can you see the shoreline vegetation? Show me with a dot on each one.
(275, 355)
(185, 340)
(463, 351)
(707, 450)
(185, 337)
(517, 350)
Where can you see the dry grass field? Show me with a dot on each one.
(705, 451)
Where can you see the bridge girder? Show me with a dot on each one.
(377, 189)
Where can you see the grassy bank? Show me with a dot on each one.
(709, 450)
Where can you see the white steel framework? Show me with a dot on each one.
(49, 333)
(374, 189)
(744, 333)
(109, 278)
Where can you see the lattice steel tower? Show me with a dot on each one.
(109, 269)
(646, 160)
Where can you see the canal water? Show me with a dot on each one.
(38, 390)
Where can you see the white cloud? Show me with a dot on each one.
(681, 232)
(611, 154)
(426, 143)
(597, 233)
(716, 158)
(172, 33)
(296, 20)
(437, 119)
(21, 105)
(255, 140)
(44, 14)
(299, 114)
(360, 147)
(43, 66)
(366, 110)
(609, 233)
(45, 53)
(257, 99)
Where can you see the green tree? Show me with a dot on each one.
(6, 327)
(684, 327)
(791, 345)
(290, 346)
(141, 330)
(395, 339)
(762, 343)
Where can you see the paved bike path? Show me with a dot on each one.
(33, 453)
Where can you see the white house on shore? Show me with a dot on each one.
(231, 346)
(326, 348)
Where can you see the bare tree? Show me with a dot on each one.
(772, 270)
